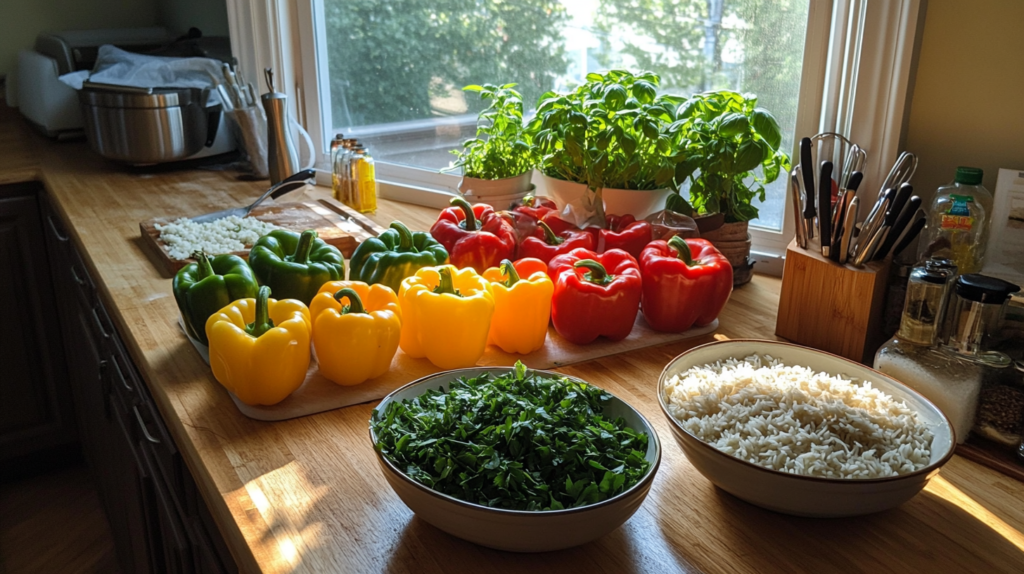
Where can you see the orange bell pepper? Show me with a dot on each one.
(355, 342)
(522, 305)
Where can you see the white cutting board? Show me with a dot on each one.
(317, 394)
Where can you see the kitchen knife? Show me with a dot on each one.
(874, 247)
(825, 207)
(851, 220)
(908, 235)
(855, 180)
(807, 173)
(839, 222)
(869, 237)
(904, 219)
(902, 196)
(794, 179)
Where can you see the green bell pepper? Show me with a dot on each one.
(395, 254)
(295, 266)
(207, 286)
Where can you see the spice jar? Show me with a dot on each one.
(1001, 405)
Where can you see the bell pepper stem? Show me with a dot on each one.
(470, 222)
(447, 284)
(596, 273)
(204, 264)
(508, 269)
(262, 323)
(682, 249)
(404, 236)
(529, 200)
(304, 247)
(355, 304)
(549, 236)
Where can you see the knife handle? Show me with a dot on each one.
(909, 236)
(825, 207)
(807, 172)
(855, 180)
(901, 224)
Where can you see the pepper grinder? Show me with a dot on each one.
(282, 157)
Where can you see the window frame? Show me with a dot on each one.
(841, 67)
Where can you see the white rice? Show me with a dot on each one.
(791, 419)
(184, 236)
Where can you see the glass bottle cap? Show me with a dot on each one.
(984, 289)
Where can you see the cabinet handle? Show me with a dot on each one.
(74, 275)
(142, 425)
(53, 226)
(99, 323)
(120, 373)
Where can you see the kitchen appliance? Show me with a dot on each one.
(48, 103)
(152, 125)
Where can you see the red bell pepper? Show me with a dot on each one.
(475, 236)
(535, 207)
(594, 295)
(546, 244)
(686, 283)
(626, 233)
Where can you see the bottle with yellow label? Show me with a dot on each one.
(363, 184)
(958, 221)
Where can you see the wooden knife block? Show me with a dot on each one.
(832, 307)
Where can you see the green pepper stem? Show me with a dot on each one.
(262, 323)
(304, 247)
(447, 283)
(355, 304)
(470, 222)
(404, 236)
(205, 267)
(596, 273)
(549, 236)
(682, 249)
(508, 269)
(529, 200)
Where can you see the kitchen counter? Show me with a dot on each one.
(306, 495)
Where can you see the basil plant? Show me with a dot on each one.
(502, 147)
(613, 131)
(727, 137)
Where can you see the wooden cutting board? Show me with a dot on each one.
(335, 223)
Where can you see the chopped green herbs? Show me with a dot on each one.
(523, 441)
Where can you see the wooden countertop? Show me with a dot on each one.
(306, 495)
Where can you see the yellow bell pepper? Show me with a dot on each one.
(446, 314)
(259, 348)
(522, 306)
(357, 341)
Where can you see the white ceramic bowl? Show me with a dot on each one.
(518, 530)
(806, 495)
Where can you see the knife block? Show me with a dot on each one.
(832, 307)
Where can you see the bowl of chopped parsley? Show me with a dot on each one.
(513, 458)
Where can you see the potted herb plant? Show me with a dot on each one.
(612, 139)
(726, 138)
(498, 163)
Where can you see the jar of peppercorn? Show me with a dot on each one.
(1000, 415)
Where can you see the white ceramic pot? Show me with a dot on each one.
(519, 530)
(499, 202)
(638, 203)
(797, 494)
(482, 188)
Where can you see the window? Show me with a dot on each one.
(390, 71)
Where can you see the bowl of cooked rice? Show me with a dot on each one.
(801, 431)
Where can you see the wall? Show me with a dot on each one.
(22, 20)
(210, 16)
(968, 100)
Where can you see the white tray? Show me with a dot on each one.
(317, 394)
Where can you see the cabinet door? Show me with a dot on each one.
(35, 407)
(130, 510)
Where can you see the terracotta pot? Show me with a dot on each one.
(638, 203)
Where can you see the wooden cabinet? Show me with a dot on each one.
(159, 521)
(36, 416)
